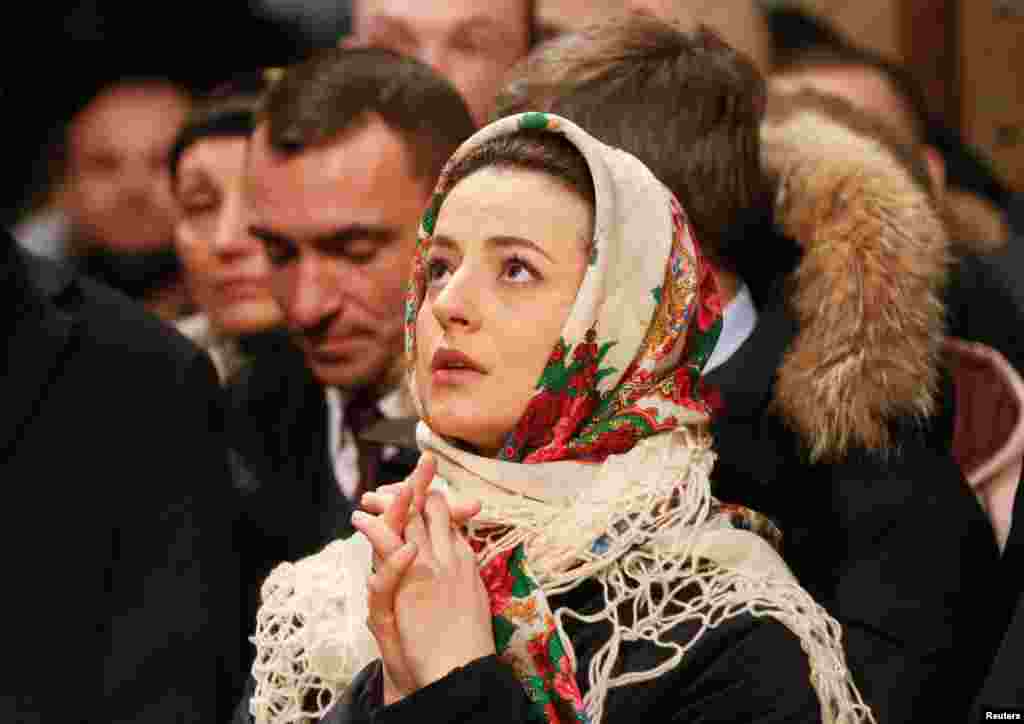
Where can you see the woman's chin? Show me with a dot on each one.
(465, 430)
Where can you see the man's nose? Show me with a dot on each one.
(314, 296)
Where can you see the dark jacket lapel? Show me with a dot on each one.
(39, 335)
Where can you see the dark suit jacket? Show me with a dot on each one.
(895, 547)
(293, 505)
(120, 582)
(1004, 685)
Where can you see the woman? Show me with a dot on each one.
(596, 578)
(226, 269)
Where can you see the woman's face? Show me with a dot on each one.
(505, 263)
(226, 269)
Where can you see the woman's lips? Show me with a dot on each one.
(451, 367)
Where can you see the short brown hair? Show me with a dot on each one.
(339, 88)
(686, 104)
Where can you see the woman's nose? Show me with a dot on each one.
(230, 237)
(456, 305)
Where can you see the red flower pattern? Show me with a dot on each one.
(498, 581)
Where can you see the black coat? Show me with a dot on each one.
(895, 546)
(293, 505)
(120, 581)
(1004, 686)
(745, 671)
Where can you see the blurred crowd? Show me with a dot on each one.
(206, 326)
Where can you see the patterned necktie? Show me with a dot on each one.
(360, 413)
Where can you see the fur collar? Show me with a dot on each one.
(867, 294)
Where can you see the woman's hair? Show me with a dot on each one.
(531, 150)
(218, 116)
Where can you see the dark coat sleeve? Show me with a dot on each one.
(1004, 686)
(907, 550)
(173, 592)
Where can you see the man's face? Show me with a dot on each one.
(118, 186)
(471, 43)
(339, 223)
(864, 88)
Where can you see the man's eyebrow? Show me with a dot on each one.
(337, 237)
(356, 232)
(497, 242)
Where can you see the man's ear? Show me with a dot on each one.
(936, 169)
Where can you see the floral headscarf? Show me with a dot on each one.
(646, 317)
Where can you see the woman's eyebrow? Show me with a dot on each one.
(496, 242)
(444, 241)
(501, 242)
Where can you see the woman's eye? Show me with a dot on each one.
(437, 272)
(516, 270)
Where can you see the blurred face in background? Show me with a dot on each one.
(339, 222)
(869, 91)
(226, 269)
(471, 43)
(864, 88)
(118, 189)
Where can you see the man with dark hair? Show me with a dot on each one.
(827, 359)
(473, 44)
(341, 167)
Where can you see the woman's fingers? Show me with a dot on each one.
(421, 478)
(439, 527)
(383, 583)
(397, 514)
(463, 510)
(416, 532)
(381, 587)
(384, 540)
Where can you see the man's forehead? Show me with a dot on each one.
(363, 151)
(864, 88)
(363, 178)
(130, 116)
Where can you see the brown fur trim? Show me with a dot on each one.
(867, 293)
(975, 224)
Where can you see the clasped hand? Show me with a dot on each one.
(428, 607)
